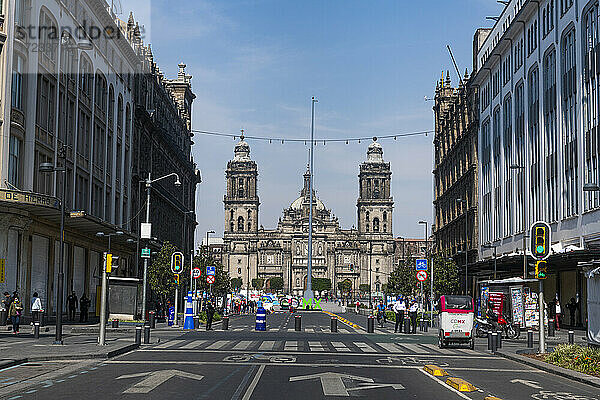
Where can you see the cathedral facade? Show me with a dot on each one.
(362, 255)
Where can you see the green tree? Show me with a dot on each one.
(321, 284)
(236, 283)
(222, 284)
(258, 283)
(276, 283)
(345, 286)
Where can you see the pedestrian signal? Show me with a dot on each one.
(540, 240)
(108, 263)
(541, 270)
(177, 262)
(176, 279)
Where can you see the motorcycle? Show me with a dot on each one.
(483, 326)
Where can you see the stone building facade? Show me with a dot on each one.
(362, 256)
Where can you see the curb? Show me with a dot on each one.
(12, 363)
(91, 356)
(344, 320)
(553, 369)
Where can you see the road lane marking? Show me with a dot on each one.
(365, 347)
(391, 347)
(435, 348)
(267, 345)
(309, 330)
(339, 346)
(315, 346)
(170, 343)
(464, 396)
(291, 345)
(153, 379)
(194, 344)
(254, 382)
(243, 345)
(218, 345)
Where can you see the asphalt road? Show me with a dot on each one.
(284, 364)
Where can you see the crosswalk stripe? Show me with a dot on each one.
(365, 347)
(343, 330)
(267, 345)
(310, 330)
(291, 345)
(243, 345)
(391, 347)
(193, 344)
(414, 348)
(315, 346)
(339, 346)
(170, 343)
(219, 344)
(435, 348)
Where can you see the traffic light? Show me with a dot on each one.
(177, 262)
(540, 240)
(541, 269)
(176, 279)
(351, 267)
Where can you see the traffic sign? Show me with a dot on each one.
(177, 262)
(421, 264)
(211, 270)
(421, 276)
(210, 279)
(145, 253)
(196, 272)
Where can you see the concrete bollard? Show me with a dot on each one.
(499, 340)
(333, 324)
(494, 342)
(571, 337)
(138, 335)
(225, 323)
(297, 323)
(115, 323)
(489, 337)
(530, 339)
(146, 334)
(36, 330)
(152, 318)
(370, 324)
(551, 328)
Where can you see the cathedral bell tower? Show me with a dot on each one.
(241, 201)
(375, 203)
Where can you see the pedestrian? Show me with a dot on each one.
(399, 308)
(72, 305)
(412, 311)
(572, 307)
(557, 314)
(210, 311)
(36, 307)
(84, 306)
(14, 311)
(4, 305)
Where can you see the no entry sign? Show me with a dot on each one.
(196, 272)
(421, 276)
(210, 279)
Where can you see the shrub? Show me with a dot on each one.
(576, 357)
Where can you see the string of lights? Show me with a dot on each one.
(349, 140)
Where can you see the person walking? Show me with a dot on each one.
(572, 307)
(5, 305)
(399, 308)
(14, 311)
(36, 307)
(72, 305)
(557, 314)
(210, 312)
(413, 315)
(84, 306)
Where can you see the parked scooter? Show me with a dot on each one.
(510, 331)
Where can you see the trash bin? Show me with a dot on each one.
(3, 317)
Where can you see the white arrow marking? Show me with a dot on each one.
(397, 386)
(155, 379)
(531, 384)
(331, 382)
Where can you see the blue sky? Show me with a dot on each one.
(256, 64)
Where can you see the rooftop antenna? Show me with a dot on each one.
(454, 62)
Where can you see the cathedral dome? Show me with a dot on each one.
(375, 152)
(242, 150)
(297, 204)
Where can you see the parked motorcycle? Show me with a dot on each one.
(509, 330)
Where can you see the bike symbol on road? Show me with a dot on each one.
(277, 358)
(334, 384)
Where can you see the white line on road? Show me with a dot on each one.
(170, 343)
(219, 344)
(267, 345)
(464, 396)
(435, 348)
(391, 347)
(194, 344)
(415, 348)
(315, 346)
(291, 345)
(339, 346)
(254, 382)
(243, 345)
(365, 347)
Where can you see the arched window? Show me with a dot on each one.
(231, 227)
(249, 215)
(384, 216)
(367, 216)
(241, 187)
(384, 227)
(241, 224)
(367, 228)
(231, 215)
(249, 226)
(375, 224)
(111, 107)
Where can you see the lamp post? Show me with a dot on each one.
(426, 252)
(102, 333)
(308, 293)
(516, 167)
(207, 246)
(149, 183)
(466, 213)
(49, 168)
(492, 246)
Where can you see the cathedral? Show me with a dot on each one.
(362, 255)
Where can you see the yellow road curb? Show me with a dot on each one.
(344, 320)
(460, 384)
(492, 398)
(434, 370)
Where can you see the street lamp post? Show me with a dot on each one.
(516, 167)
(492, 246)
(308, 293)
(48, 168)
(149, 183)
(102, 333)
(466, 213)
(426, 253)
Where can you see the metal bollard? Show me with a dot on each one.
(3, 317)
(333, 324)
(494, 342)
(152, 318)
(225, 323)
(530, 339)
(499, 340)
(406, 325)
(146, 334)
(36, 330)
(490, 341)
(571, 337)
(115, 323)
(138, 335)
(551, 328)
(297, 323)
(370, 324)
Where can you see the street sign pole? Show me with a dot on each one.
(540, 249)
(102, 337)
(176, 322)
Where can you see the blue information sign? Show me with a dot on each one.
(421, 264)
(211, 270)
